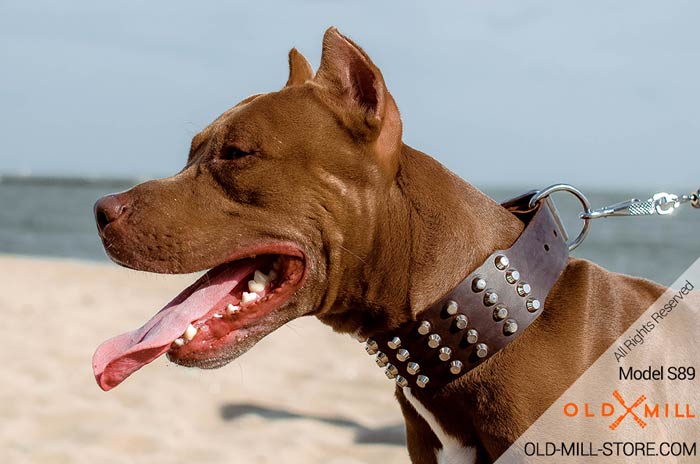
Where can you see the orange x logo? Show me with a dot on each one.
(628, 411)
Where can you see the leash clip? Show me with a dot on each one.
(661, 203)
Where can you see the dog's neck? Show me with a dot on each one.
(453, 227)
(434, 230)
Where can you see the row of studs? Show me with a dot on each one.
(444, 354)
(412, 367)
(510, 327)
(523, 289)
(434, 340)
(382, 360)
(461, 322)
(512, 276)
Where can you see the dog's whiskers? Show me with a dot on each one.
(353, 254)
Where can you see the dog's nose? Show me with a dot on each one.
(109, 208)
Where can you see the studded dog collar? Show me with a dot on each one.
(485, 312)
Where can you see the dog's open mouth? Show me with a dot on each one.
(206, 316)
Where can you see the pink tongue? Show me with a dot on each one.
(121, 356)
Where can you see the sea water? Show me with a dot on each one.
(53, 217)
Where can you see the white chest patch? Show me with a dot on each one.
(452, 451)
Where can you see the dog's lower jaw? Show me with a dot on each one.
(241, 347)
(243, 339)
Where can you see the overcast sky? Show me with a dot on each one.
(520, 93)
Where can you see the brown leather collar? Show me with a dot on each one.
(489, 309)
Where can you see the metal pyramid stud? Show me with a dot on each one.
(401, 381)
(510, 327)
(456, 366)
(500, 312)
(394, 343)
(422, 381)
(490, 298)
(412, 368)
(451, 307)
(502, 262)
(461, 322)
(424, 328)
(402, 355)
(445, 353)
(434, 340)
(533, 304)
(372, 346)
(523, 289)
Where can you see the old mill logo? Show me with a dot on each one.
(639, 411)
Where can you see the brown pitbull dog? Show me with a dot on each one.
(305, 201)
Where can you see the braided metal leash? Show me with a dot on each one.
(661, 203)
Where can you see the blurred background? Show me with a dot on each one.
(603, 95)
(96, 97)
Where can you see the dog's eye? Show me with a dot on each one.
(233, 152)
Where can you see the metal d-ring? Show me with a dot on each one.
(542, 194)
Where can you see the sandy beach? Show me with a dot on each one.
(303, 395)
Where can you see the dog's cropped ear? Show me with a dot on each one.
(359, 96)
(300, 70)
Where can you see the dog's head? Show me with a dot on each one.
(279, 198)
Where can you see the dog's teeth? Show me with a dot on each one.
(260, 278)
(255, 287)
(232, 309)
(190, 332)
(248, 297)
(218, 316)
(179, 341)
(272, 275)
